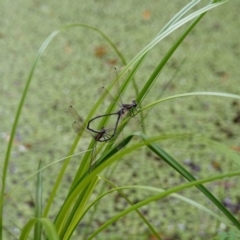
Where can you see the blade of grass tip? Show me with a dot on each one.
(151, 228)
(38, 203)
(180, 169)
(16, 119)
(161, 196)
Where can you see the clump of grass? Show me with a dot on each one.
(77, 203)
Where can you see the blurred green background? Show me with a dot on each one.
(77, 63)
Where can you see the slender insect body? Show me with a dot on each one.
(124, 108)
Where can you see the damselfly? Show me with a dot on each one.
(124, 108)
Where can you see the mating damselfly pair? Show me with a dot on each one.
(103, 134)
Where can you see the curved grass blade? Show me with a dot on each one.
(219, 94)
(78, 210)
(180, 169)
(19, 110)
(151, 228)
(162, 195)
(104, 163)
(48, 226)
(174, 195)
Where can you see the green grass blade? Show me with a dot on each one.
(187, 200)
(19, 109)
(219, 94)
(180, 169)
(48, 226)
(101, 165)
(176, 17)
(160, 196)
(86, 157)
(38, 204)
(15, 123)
(171, 29)
(151, 228)
(79, 209)
(33, 174)
(104, 36)
(147, 88)
(74, 194)
(174, 195)
(148, 85)
(82, 168)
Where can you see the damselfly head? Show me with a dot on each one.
(134, 103)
